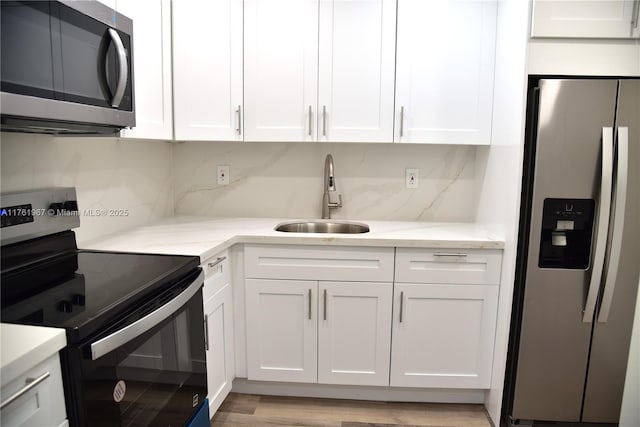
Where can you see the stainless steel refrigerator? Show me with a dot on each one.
(578, 256)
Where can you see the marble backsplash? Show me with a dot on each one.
(132, 176)
(285, 180)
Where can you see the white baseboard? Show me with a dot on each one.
(389, 394)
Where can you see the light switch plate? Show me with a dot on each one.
(411, 178)
(223, 174)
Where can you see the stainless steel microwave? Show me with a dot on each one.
(66, 68)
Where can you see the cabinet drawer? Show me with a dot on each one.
(43, 404)
(319, 263)
(457, 266)
(217, 273)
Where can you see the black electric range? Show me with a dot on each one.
(134, 322)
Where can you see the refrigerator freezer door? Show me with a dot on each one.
(554, 341)
(611, 340)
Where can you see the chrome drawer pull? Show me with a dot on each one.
(450, 254)
(31, 384)
(216, 262)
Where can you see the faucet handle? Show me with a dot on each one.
(332, 203)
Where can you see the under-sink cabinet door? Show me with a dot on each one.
(220, 361)
(443, 335)
(354, 333)
(281, 330)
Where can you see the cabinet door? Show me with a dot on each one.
(152, 67)
(218, 312)
(207, 66)
(354, 333)
(585, 18)
(444, 71)
(280, 69)
(281, 330)
(356, 70)
(443, 335)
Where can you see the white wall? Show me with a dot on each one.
(500, 182)
(107, 172)
(285, 180)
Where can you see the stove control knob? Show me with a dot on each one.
(70, 206)
(55, 209)
(78, 299)
(65, 306)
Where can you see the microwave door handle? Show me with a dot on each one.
(604, 210)
(123, 68)
(618, 224)
(111, 342)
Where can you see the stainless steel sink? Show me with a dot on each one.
(345, 227)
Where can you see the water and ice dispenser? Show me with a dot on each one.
(567, 229)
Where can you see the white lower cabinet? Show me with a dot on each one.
(354, 333)
(281, 330)
(218, 312)
(445, 310)
(40, 400)
(309, 320)
(443, 335)
(325, 332)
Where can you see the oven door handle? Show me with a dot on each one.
(140, 326)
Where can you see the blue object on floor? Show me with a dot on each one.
(201, 417)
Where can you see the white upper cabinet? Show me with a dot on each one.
(207, 67)
(280, 70)
(356, 70)
(319, 70)
(445, 71)
(152, 67)
(586, 18)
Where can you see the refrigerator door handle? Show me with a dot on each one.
(604, 211)
(618, 223)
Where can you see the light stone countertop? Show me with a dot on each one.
(23, 347)
(206, 236)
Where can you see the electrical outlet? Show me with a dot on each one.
(411, 178)
(223, 174)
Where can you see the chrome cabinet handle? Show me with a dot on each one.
(31, 384)
(206, 332)
(618, 224)
(604, 211)
(123, 68)
(635, 20)
(310, 118)
(401, 305)
(309, 304)
(122, 336)
(239, 117)
(324, 120)
(401, 122)
(450, 254)
(325, 304)
(217, 261)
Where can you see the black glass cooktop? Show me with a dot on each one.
(83, 290)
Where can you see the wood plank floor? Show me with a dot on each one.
(249, 410)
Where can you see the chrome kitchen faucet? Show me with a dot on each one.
(329, 196)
